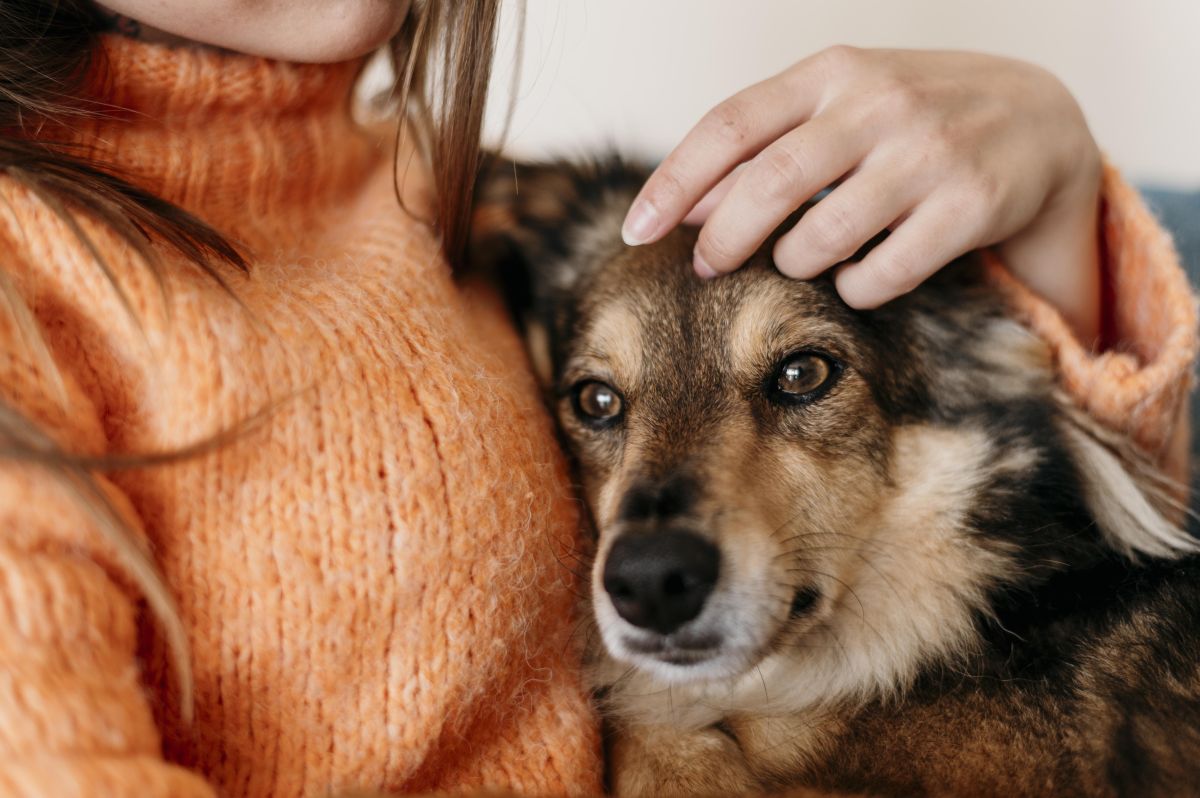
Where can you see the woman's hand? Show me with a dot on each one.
(950, 151)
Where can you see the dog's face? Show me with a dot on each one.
(730, 448)
(735, 441)
(787, 492)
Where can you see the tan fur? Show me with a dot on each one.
(538, 344)
(765, 321)
(884, 541)
(659, 761)
(777, 747)
(908, 571)
(614, 348)
(898, 579)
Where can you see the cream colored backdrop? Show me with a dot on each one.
(636, 74)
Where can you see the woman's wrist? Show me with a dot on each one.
(1058, 254)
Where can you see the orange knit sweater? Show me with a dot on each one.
(372, 582)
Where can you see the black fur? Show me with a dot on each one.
(1087, 677)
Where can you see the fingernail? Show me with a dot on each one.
(702, 268)
(640, 223)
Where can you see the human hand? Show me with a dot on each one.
(950, 151)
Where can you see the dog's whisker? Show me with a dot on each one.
(763, 679)
(836, 533)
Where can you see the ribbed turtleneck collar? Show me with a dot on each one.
(229, 137)
(188, 85)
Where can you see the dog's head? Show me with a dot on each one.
(772, 474)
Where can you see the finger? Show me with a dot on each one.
(922, 244)
(839, 224)
(727, 135)
(709, 201)
(773, 185)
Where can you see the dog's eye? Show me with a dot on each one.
(597, 402)
(801, 377)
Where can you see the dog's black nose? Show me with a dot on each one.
(661, 580)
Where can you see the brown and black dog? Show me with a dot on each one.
(864, 552)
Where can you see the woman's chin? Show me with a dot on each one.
(304, 31)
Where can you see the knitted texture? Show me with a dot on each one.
(375, 581)
(1139, 384)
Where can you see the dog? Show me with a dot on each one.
(871, 552)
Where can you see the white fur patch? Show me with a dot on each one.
(1129, 521)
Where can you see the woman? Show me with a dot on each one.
(282, 513)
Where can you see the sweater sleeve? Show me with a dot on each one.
(1138, 383)
(74, 719)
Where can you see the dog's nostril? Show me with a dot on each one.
(661, 581)
(618, 589)
(674, 584)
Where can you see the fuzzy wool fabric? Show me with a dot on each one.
(376, 582)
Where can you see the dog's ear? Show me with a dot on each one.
(538, 230)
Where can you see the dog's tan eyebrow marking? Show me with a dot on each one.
(755, 325)
(769, 321)
(614, 338)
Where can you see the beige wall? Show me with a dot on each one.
(637, 73)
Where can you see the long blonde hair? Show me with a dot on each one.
(48, 48)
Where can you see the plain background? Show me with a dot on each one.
(636, 74)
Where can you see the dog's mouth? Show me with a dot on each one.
(677, 649)
(725, 641)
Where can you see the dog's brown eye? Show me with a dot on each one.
(800, 376)
(596, 401)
